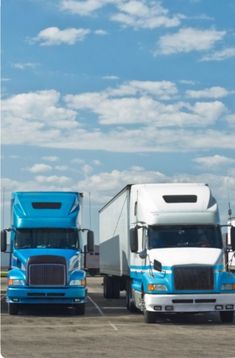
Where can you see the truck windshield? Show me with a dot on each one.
(184, 236)
(46, 238)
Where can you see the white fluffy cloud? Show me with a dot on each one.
(62, 168)
(220, 55)
(25, 65)
(127, 108)
(132, 13)
(212, 92)
(54, 36)
(51, 158)
(53, 180)
(230, 118)
(107, 184)
(83, 7)
(36, 115)
(187, 40)
(39, 105)
(143, 14)
(40, 168)
(162, 121)
(214, 161)
(163, 90)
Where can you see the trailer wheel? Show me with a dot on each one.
(149, 317)
(107, 287)
(80, 308)
(115, 288)
(13, 308)
(226, 316)
(111, 287)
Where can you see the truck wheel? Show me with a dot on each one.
(226, 316)
(111, 287)
(149, 317)
(107, 287)
(115, 288)
(80, 309)
(13, 308)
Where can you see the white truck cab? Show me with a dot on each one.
(162, 243)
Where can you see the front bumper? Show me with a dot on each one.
(63, 295)
(189, 302)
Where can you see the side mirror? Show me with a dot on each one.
(134, 240)
(90, 241)
(233, 237)
(3, 240)
(157, 265)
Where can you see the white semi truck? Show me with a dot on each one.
(162, 243)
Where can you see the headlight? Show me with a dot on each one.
(158, 287)
(15, 282)
(78, 282)
(228, 286)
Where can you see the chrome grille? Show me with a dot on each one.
(47, 271)
(193, 278)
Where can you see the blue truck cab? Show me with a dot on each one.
(46, 250)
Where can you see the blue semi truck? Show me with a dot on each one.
(46, 250)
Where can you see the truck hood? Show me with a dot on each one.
(71, 256)
(187, 256)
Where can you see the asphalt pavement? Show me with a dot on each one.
(109, 330)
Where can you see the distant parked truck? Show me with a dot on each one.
(46, 261)
(162, 243)
(231, 253)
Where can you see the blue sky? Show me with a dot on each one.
(98, 94)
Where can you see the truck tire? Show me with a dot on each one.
(111, 287)
(226, 316)
(149, 317)
(80, 308)
(107, 287)
(13, 308)
(115, 288)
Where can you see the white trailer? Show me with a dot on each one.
(162, 243)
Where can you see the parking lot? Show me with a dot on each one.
(109, 330)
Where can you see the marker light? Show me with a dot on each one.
(169, 308)
(157, 308)
(219, 307)
(15, 282)
(228, 286)
(78, 282)
(229, 307)
(158, 287)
